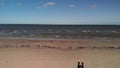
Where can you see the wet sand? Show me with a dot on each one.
(64, 43)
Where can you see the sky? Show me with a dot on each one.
(60, 12)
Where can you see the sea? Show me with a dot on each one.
(59, 31)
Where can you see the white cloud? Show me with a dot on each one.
(72, 6)
(19, 4)
(49, 4)
(93, 6)
(46, 5)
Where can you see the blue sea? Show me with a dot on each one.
(58, 31)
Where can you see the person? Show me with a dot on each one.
(80, 66)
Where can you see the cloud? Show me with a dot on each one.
(49, 4)
(72, 6)
(19, 4)
(2, 4)
(93, 6)
(46, 5)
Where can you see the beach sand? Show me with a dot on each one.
(34, 57)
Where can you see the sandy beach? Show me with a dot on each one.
(62, 43)
(59, 53)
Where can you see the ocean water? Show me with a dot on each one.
(58, 31)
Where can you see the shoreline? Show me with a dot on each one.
(35, 38)
(69, 44)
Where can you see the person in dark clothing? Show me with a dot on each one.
(80, 66)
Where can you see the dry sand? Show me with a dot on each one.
(55, 58)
